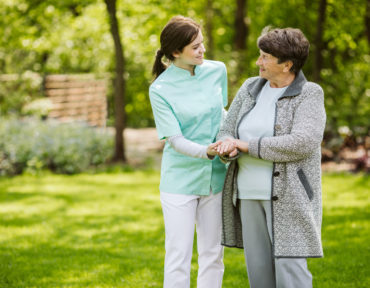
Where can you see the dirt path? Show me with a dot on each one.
(144, 149)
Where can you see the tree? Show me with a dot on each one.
(241, 28)
(209, 28)
(319, 41)
(367, 20)
(119, 83)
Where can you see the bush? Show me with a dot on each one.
(17, 90)
(32, 145)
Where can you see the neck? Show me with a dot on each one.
(282, 81)
(188, 67)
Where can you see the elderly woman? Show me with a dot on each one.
(272, 194)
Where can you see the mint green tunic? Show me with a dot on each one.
(191, 106)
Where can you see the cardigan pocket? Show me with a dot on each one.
(306, 185)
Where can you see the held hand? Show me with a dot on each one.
(233, 147)
(212, 148)
(226, 147)
(233, 153)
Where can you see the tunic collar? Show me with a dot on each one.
(185, 73)
(293, 89)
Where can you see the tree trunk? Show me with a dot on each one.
(209, 29)
(319, 44)
(241, 28)
(240, 41)
(119, 84)
(367, 21)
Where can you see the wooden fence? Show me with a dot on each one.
(77, 98)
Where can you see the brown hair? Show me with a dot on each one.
(287, 44)
(179, 32)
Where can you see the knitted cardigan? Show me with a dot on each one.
(295, 150)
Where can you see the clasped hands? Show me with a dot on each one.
(228, 147)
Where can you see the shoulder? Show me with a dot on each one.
(312, 89)
(160, 83)
(247, 83)
(213, 65)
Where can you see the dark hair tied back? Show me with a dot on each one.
(179, 32)
(160, 53)
(158, 66)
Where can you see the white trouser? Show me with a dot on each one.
(181, 213)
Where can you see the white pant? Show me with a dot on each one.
(181, 213)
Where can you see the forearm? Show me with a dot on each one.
(305, 136)
(282, 148)
(187, 147)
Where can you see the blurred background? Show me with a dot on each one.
(61, 59)
(79, 154)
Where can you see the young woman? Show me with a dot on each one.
(187, 99)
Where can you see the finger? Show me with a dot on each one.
(233, 153)
(225, 148)
(218, 142)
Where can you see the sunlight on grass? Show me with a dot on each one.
(106, 230)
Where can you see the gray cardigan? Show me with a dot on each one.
(296, 178)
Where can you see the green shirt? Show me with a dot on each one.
(191, 106)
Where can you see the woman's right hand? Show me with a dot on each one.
(226, 147)
(212, 148)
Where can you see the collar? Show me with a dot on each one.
(295, 88)
(185, 73)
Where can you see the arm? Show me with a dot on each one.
(189, 148)
(306, 134)
(165, 119)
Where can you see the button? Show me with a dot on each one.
(274, 198)
(277, 173)
(277, 127)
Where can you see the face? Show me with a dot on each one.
(192, 54)
(269, 67)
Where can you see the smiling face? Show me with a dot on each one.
(269, 66)
(191, 55)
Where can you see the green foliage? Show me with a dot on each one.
(18, 90)
(106, 230)
(73, 37)
(33, 145)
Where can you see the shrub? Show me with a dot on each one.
(31, 145)
(17, 90)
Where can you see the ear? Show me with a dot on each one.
(287, 65)
(176, 54)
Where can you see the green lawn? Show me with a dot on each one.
(106, 230)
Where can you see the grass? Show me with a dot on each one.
(106, 230)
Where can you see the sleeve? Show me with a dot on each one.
(164, 116)
(189, 148)
(224, 87)
(306, 134)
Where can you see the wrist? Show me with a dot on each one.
(242, 146)
(210, 157)
(210, 152)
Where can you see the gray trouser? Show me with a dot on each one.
(265, 271)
